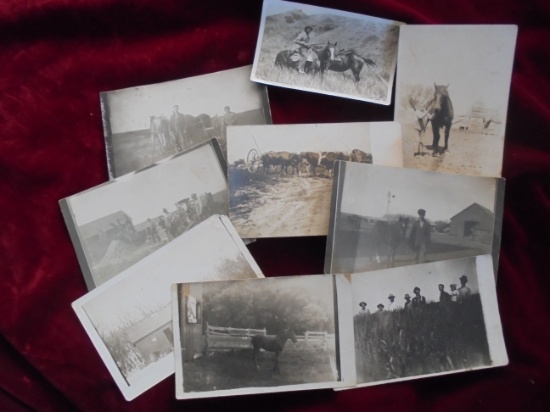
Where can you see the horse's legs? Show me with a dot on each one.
(255, 353)
(276, 365)
(435, 144)
(447, 133)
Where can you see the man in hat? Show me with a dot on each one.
(418, 300)
(464, 292)
(407, 301)
(301, 46)
(419, 239)
(391, 305)
(229, 119)
(380, 308)
(363, 306)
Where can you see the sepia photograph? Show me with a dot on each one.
(425, 320)
(326, 51)
(452, 94)
(129, 318)
(145, 124)
(385, 217)
(272, 335)
(120, 222)
(280, 176)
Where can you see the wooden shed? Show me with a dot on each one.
(475, 222)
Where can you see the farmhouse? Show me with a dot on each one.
(153, 336)
(474, 222)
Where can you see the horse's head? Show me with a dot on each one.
(288, 333)
(328, 53)
(441, 94)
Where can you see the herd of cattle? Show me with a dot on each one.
(309, 161)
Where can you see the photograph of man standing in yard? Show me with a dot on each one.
(419, 239)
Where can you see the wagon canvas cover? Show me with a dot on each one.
(128, 318)
(280, 176)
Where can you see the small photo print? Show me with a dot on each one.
(276, 335)
(425, 320)
(386, 217)
(145, 124)
(326, 51)
(280, 176)
(452, 90)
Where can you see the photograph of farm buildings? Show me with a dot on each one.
(426, 319)
(390, 217)
(267, 333)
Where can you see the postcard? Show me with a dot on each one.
(384, 217)
(118, 223)
(424, 320)
(326, 51)
(129, 318)
(280, 176)
(145, 124)
(452, 90)
(242, 337)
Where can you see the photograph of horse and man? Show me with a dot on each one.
(256, 336)
(452, 95)
(149, 123)
(388, 217)
(326, 51)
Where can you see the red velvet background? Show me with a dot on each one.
(57, 55)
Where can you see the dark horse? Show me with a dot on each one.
(346, 60)
(442, 116)
(318, 58)
(274, 344)
(389, 235)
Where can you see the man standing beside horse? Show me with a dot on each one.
(420, 237)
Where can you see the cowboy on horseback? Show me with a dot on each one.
(301, 47)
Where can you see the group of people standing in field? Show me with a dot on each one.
(417, 301)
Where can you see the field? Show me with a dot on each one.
(236, 369)
(427, 340)
(357, 250)
(469, 153)
(270, 205)
(374, 41)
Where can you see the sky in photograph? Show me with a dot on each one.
(375, 287)
(475, 61)
(145, 287)
(131, 108)
(442, 195)
(143, 195)
(342, 137)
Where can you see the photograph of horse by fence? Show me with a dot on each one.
(277, 332)
(326, 51)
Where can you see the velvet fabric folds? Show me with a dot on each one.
(57, 55)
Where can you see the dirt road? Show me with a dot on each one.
(282, 206)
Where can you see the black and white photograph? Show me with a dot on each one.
(425, 320)
(385, 217)
(326, 51)
(129, 318)
(145, 124)
(280, 176)
(120, 222)
(452, 92)
(256, 336)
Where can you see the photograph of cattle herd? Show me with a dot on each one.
(411, 210)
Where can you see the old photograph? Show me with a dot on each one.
(452, 95)
(280, 176)
(129, 318)
(386, 217)
(424, 320)
(326, 51)
(145, 124)
(275, 334)
(118, 223)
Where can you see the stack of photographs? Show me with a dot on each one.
(411, 208)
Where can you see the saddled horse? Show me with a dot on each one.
(442, 111)
(389, 235)
(316, 59)
(273, 344)
(189, 130)
(159, 127)
(346, 60)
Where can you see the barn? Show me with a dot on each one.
(475, 222)
(153, 336)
